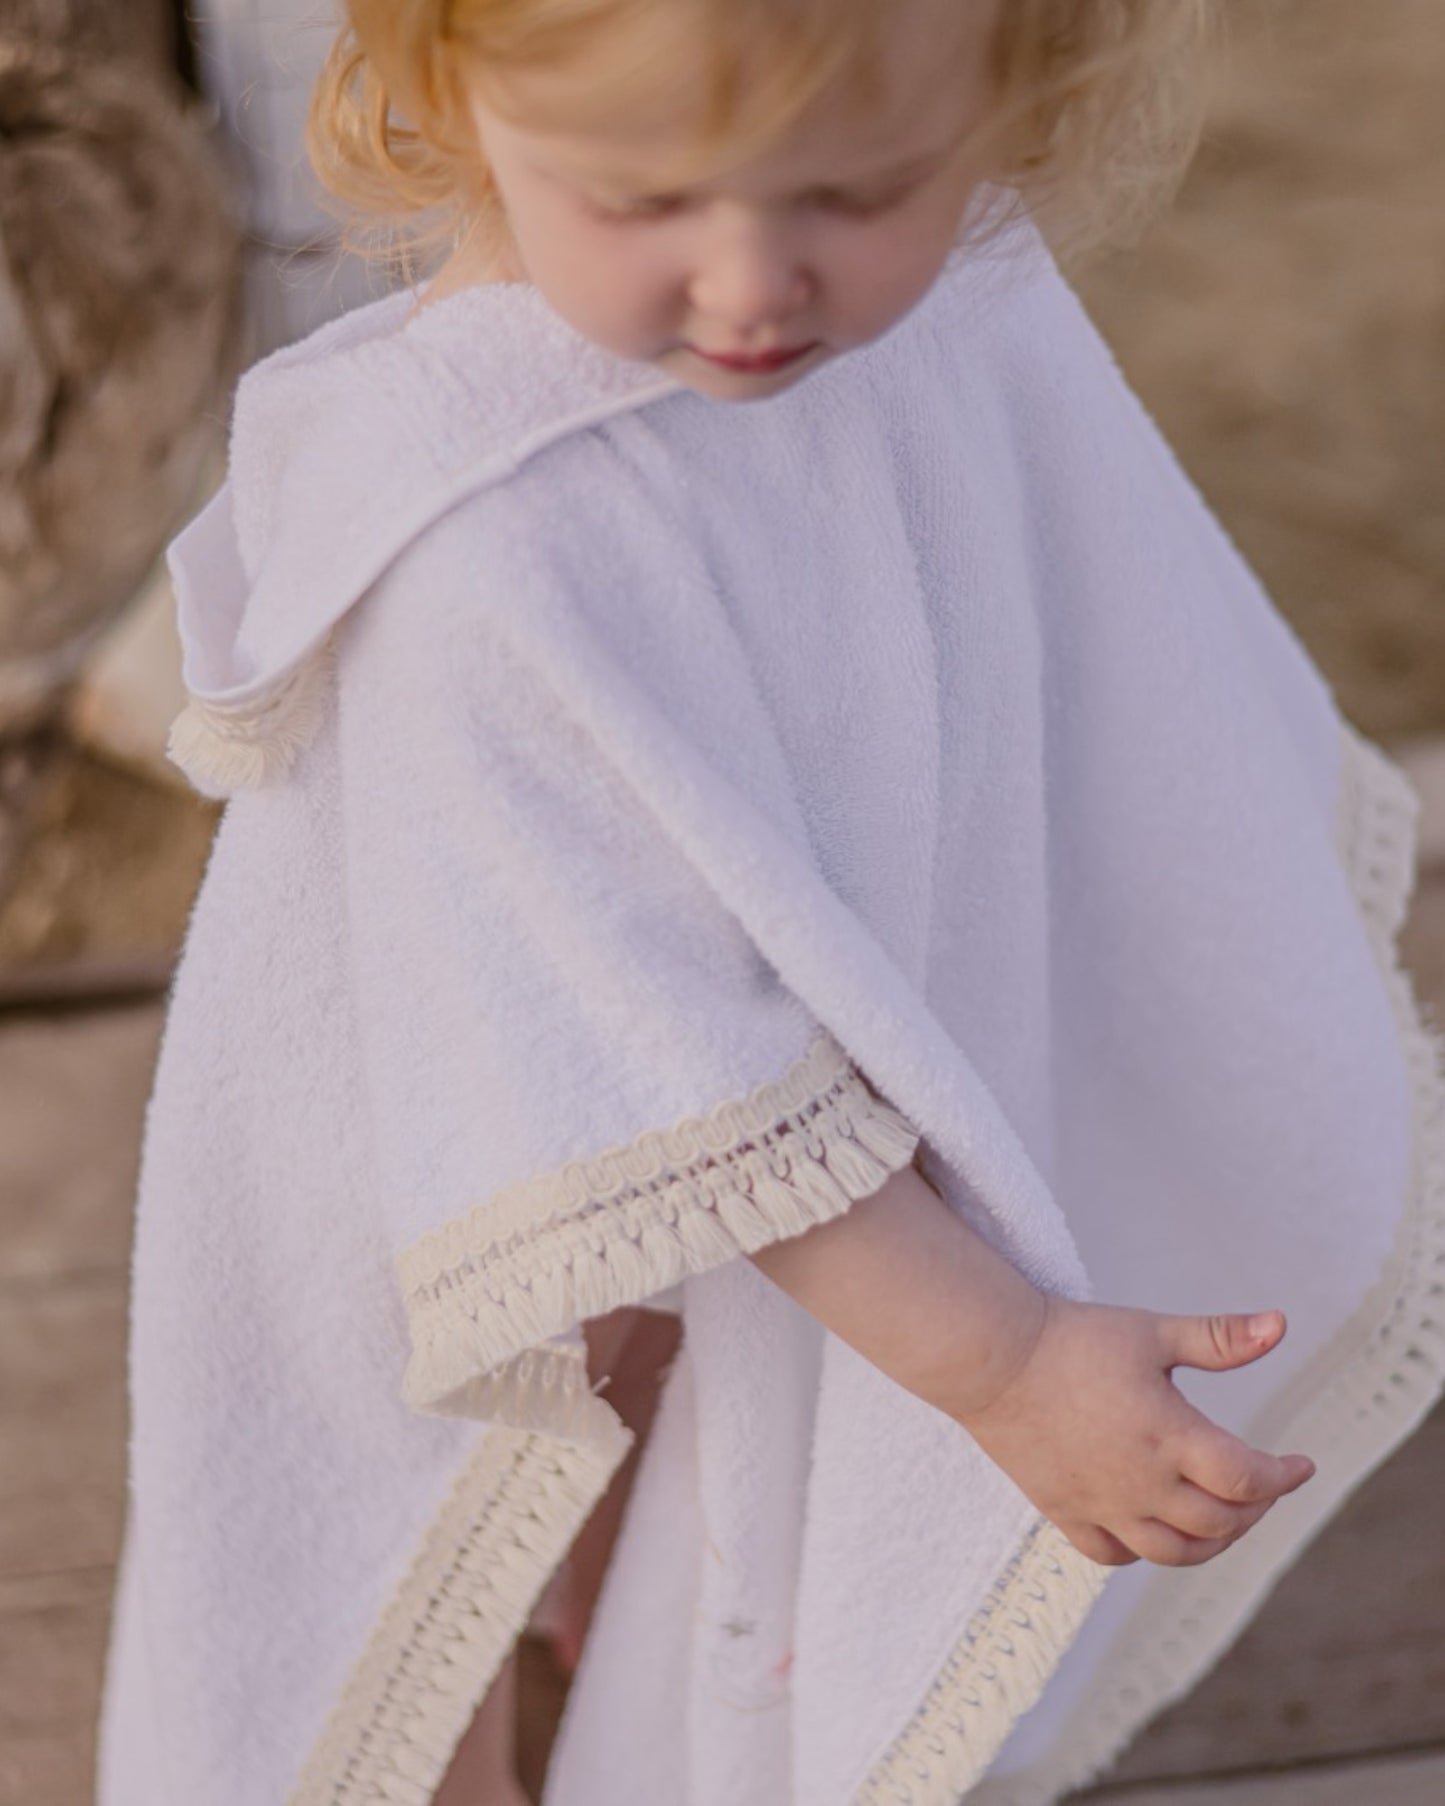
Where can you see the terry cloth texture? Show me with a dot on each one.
(653, 822)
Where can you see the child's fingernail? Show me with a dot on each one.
(1263, 1327)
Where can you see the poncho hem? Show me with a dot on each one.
(507, 1522)
(1371, 1386)
(459, 1276)
(792, 1153)
(996, 1672)
(611, 1230)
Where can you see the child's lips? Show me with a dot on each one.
(771, 360)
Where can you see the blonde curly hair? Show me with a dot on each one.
(1095, 110)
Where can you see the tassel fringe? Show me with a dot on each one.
(1393, 1363)
(483, 1291)
(245, 746)
(612, 1230)
(996, 1673)
(506, 1526)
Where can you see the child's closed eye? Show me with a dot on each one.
(848, 202)
(859, 206)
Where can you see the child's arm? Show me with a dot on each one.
(1073, 1401)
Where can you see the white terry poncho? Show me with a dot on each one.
(655, 821)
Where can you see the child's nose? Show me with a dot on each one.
(749, 274)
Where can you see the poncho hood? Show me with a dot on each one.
(336, 467)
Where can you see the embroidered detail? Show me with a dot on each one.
(608, 1231)
(1010, 1649)
(244, 746)
(1388, 1362)
(504, 1528)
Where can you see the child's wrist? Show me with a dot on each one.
(909, 1284)
(995, 1348)
(1009, 1357)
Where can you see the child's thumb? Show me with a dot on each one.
(1219, 1343)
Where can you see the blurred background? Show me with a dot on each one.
(159, 230)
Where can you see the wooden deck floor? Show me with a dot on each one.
(1335, 1697)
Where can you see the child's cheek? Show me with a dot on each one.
(876, 276)
(639, 283)
(610, 284)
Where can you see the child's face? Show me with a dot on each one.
(813, 248)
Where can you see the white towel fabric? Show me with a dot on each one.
(654, 822)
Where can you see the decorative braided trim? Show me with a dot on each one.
(1011, 1647)
(790, 1154)
(505, 1526)
(245, 745)
(612, 1230)
(1373, 1386)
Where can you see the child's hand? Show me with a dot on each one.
(1094, 1431)
(1073, 1401)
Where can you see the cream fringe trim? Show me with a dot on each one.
(1010, 1649)
(244, 746)
(1384, 1371)
(598, 1234)
(744, 1175)
(612, 1230)
(506, 1525)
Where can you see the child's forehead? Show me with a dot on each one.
(635, 104)
(639, 160)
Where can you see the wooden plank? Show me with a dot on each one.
(56, 1586)
(62, 1427)
(1347, 1656)
(1389, 1781)
(72, 1099)
(50, 1673)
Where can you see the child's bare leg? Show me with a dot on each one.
(483, 1768)
(634, 1347)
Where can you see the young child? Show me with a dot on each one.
(881, 831)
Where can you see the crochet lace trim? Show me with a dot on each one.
(611, 1230)
(1376, 1383)
(505, 1526)
(546, 1254)
(1012, 1645)
(744, 1175)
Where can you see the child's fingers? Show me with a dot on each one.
(1170, 1548)
(1219, 1343)
(1199, 1513)
(1099, 1545)
(1234, 1472)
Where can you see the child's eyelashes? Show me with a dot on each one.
(828, 200)
(859, 206)
(653, 206)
